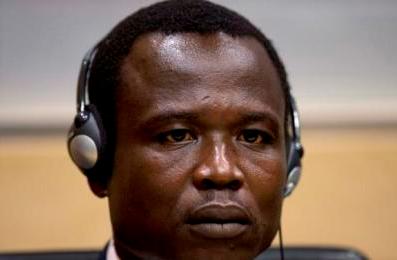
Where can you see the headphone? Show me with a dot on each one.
(86, 136)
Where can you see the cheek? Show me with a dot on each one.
(265, 181)
(270, 200)
(145, 188)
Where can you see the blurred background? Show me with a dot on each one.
(341, 57)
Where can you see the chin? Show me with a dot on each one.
(219, 254)
(218, 250)
(227, 251)
(246, 246)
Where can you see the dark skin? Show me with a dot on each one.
(200, 161)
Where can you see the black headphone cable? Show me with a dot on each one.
(280, 239)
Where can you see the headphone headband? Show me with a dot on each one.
(296, 126)
(83, 99)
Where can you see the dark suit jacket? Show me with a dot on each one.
(102, 254)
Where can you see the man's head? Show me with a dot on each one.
(167, 17)
(193, 100)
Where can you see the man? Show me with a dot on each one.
(183, 126)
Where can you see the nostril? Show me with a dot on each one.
(234, 185)
(207, 184)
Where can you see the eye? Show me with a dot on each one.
(254, 136)
(176, 136)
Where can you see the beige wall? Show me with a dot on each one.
(346, 196)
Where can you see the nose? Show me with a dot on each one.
(218, 169)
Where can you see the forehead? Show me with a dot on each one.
(183, 52)
(162, 68)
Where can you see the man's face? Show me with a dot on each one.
(200, 157)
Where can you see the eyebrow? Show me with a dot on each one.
(257, 117)
(170, 116)
(243, 118)
(254, 117)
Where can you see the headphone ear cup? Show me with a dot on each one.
(85, 144)
(293, 168)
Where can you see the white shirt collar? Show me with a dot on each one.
(111, 252)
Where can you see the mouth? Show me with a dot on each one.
(219, 221)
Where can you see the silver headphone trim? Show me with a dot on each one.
(83, 151)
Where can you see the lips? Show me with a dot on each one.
(219, 221)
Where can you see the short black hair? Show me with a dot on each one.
(169, 17)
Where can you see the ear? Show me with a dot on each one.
(98, 188)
